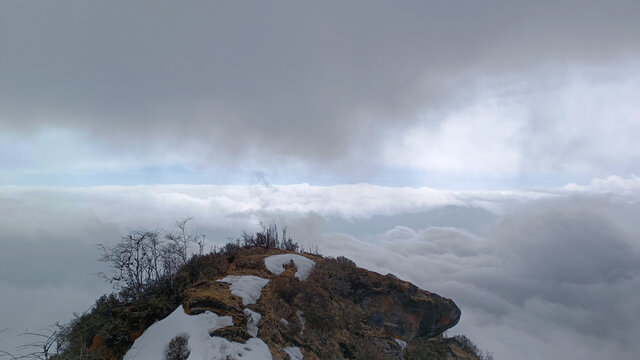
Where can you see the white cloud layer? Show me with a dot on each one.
(538, 275)
(612, 185)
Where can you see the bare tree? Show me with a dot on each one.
(200, 240)
(181, 240)
(288, 243)
(143, 257)
(138, 260)
(43, 345)
(268, 238)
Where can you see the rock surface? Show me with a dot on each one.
(401, 308)
(338, 311)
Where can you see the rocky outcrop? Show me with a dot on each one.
(401, 308)
(304, 304)
(338, 311)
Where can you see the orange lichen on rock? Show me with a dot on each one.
(98, 347)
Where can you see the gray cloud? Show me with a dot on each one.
(320, 82)
(555, 278)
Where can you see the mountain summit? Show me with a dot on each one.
(270, 303)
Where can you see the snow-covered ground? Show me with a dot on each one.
(248, 287)
(293, 352)
(403, 344)
(153, 343)
(252, 321)
(302, 321)
(275, 264)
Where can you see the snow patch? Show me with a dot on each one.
(302, 321)
(403, 344)
(275, 264)
(252, 321)
(248, 287)
(293, 352)
(196, 328)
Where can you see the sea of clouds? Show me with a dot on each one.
(537, 274)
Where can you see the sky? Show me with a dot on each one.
(483, 150)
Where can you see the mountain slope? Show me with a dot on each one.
(257, 303)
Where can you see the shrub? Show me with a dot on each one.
(177, 349)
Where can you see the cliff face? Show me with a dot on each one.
(268, 303)
(400, 308)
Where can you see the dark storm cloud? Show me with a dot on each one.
(298, 78)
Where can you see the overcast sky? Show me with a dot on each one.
(454, 94)
(486, 150)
